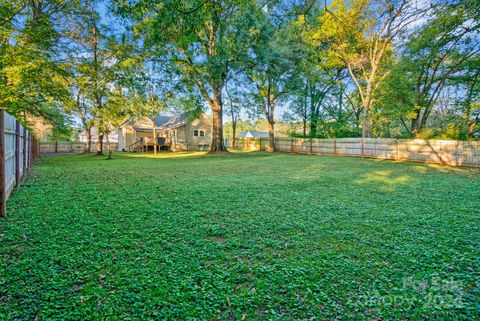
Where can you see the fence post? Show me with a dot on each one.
(56, 147)
(3, 196)
(31, 150)
(35, 148)
(362, 148)
(260, 144)
(311, 148)
(334, 146)
(24, 151)
(17, 153)
(291, 146)
(396, 149)
(29, 164)
(28, 152)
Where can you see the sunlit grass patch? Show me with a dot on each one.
(162, 154)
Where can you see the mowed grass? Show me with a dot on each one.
(241, 236)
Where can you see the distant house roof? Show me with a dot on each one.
(252, 134)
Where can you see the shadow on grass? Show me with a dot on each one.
(424, 167)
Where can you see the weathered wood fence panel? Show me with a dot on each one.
(70, 147)
(448, 152)
(18, 151)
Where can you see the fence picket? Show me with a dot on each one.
(66, 147)
(16, 155)
(3, 193)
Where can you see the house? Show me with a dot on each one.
(252, 134)
(176, 133)
(41, 128)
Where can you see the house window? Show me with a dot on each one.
(197, 133)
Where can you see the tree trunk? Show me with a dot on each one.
(154, 140)
(89, 140)
(366, 129)
(271, 135)
(234, 134)
(305, 112)
(415, 124)
(313, 126)
(423, 122)
(471, 125)
(414, 127)
(109, 149)
(217, 130)
(100, 145)
(314, 115)
(154, 125)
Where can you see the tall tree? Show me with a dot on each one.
(438, 53)
(319, 77)
(201, 39)
(237, 99)
(273, 61)
(81, 107)
(32, 74)
(92, 59)
(359, 34)
(470, 102)
(436, 56)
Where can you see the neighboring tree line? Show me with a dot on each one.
(371, 68)
(59, 61)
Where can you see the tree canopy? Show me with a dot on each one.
(373, 68)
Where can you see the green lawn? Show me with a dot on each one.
(241, 236)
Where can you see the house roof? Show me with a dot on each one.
(162, 119)
(175, 121)
(161, 122)
(252, 134)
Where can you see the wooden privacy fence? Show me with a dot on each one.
(71, 147)
(18, 151)
(448, 152)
